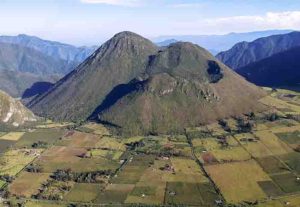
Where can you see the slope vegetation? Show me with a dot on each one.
(131, 83)
(78, 94)
(183, 86)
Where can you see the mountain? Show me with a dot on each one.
(183, 86)
(79, 93)
(56, 50)
(20, 67)
(25, 60)
(12, 112)
(245, 53)
(281, 69)
(130, 83)
(217, 43)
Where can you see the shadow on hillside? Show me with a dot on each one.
(37, 89)
(117, 93)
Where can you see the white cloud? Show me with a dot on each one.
(270, 20)
(130, 3)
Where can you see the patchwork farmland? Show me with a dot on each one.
(251, 160)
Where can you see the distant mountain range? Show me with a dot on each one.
(245, 53)
(268, 61)
(218, 43)
(53, 49)
(25, 60)
(138, 88)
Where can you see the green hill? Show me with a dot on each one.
(183, 86)
(141, 88)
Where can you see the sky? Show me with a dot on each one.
(91, 22)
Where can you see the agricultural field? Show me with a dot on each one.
(27, 184)
(246, 160)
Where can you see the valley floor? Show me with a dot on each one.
(249, 160)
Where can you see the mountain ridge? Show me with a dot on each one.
(280, 69)
(54, 49)
(245, 53)
(181, 76)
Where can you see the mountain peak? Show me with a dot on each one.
(126, 34)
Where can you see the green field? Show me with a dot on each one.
(48, 136)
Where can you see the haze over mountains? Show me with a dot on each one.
(268, 61)
(53, 49)
(218, 43)
(141, 88)
(27, 61)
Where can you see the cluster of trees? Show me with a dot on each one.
(224, 125)
(134, 145)
(33, 168)
(46, 194)
(244, 126)
(272, 117)
(4, 193)
(39, 144)
(82, 177)
(7, 178)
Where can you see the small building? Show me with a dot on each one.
(219, 202)
(172, 193)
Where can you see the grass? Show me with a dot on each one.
(83, 192)
(275, 145)
(211, 146)
(292, 160)
(272, 165)
(114, 193)
(270, 188)
(60, 157)
(46, 135)
(27, 184)
(238, 181)
(44, 204)
(2, 183)
(12, 136)
(279, 104)
(13, 161)
(231, 154)
(198, 194)
(143, 190)
(287, 182)
(53, 125)
(132, 140)
(97, 129)
(290, 137)
(5, 144)
(109, 154)
(110, 143)
(79, 139)
(129, 175)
